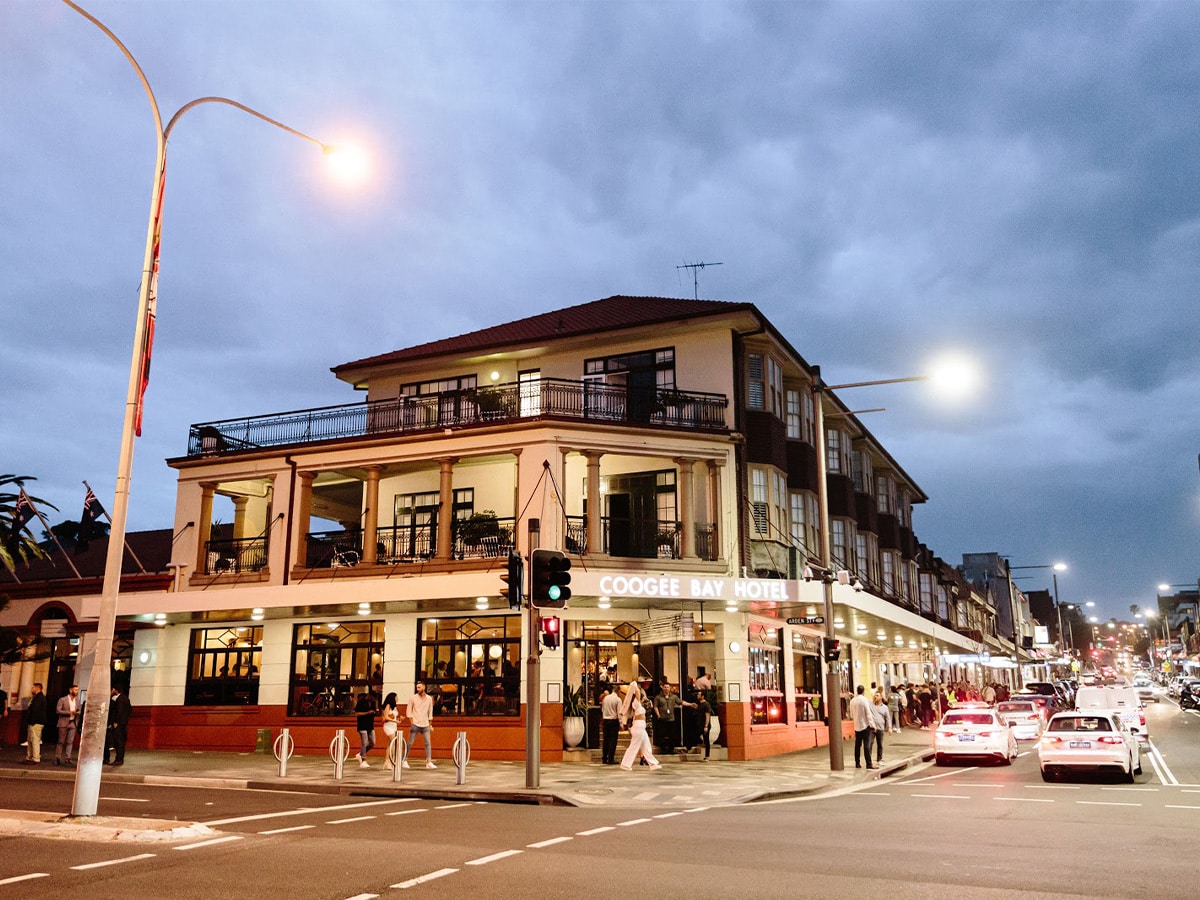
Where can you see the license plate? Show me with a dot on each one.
(966, 737)
(1080, 745)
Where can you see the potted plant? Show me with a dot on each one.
(575, 707)
(479, 527)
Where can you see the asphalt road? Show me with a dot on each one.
(961, 832)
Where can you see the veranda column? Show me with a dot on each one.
(303, 514)
(239, 517)
(445, 533)
(685, 489)
(594, 537)
(204, 525)
(370, 548)
(714, 506)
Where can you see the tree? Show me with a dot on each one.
(17, 545)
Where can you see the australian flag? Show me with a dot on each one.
(89, 521)
(22, 513)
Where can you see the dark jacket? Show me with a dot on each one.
(118, 712)
(35, 713)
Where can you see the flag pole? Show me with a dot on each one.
(54, 537)
(125, 539)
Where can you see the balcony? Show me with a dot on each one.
(585, 401)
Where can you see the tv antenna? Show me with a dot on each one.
(696, 267)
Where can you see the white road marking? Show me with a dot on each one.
(592, 831)
(871, 794)
(645, 796)
(669, 815)
(413, 882)
(114, 862)
(944, 796)
(345, 821)
(1175, 806)
(454, 805)
(284, 830)
(405, 812)
(941, 775)
(125, 799)
(484, 860)
(307, 810)
(631, 822)
(696, 809)
(547, 843)
(1104, 803)
(1052, 787)
(1025, 799)
(28, 877)
(1148, 790)
(209, 842)
(363, 897)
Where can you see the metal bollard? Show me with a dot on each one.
(396, 752)
(462, 755)
(284, 748)
(339, 752)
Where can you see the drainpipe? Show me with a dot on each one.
(287, 529)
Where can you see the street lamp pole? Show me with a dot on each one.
(833, 694)
(95, 719)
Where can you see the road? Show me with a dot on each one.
(962, 832)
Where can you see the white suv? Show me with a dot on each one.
(1123, 701)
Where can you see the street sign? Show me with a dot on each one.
(806, 620)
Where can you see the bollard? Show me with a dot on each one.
(339, 752)
(284, 747)
(396, 752)
(462, 755)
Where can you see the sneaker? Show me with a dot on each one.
(405, 764)
(627, 768)
(364, 765)
(656, 765)
(430, 765)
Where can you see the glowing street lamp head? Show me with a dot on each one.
(955, 376)
(348, 163)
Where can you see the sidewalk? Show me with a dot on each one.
(677, 785)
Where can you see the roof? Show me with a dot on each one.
(153, 548)
(586, 318)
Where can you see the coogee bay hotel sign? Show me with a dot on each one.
(644, 586)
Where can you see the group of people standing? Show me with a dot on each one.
(675, 718)
(67, 716)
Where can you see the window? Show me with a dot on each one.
(884, 497)
(779, 509)
(766, 675)
(795, 418)
(775, 386)
(332, 663)
(756, 396)
(414, 535)
(804, 522)
(759, 506)
(926, 588)
(833, 450)
(806, 677)
(223, 666)
(471, 667)
(529, 388)
(888, 575)
(904, 508)
(864, 477)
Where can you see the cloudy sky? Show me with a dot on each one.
(883, 180)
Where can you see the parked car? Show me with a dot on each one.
(1024, 717)
(1049, 704)
(974, 732)
(1092, 741)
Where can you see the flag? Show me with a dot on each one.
(151, 304)
(93, 511)
(22, 513)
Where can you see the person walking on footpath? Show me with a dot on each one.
(864, 725)
(35, 721)
(420, 714)
(881, 713)
(633, 711)
(704, 721)
(893, 703)
(391, 724)
(119, 711)
(365, 710)
(610, 717)
(68, 725)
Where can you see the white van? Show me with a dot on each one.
(1122, 700)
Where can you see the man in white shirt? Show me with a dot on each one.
(864, 726)
(420, 713)
(610, 712)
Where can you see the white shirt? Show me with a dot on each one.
(860, 712)
(420, 709)
(611, 707)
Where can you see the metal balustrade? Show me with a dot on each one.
(230, 556)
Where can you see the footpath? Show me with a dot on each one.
(679, 784)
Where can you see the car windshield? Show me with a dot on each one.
(1081, 723)
(968, 719)
(1014, 707)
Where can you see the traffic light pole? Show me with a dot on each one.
(533, 703)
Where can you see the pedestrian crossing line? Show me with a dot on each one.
(28, 877)
(1026, 799)
(421, 879)
(549, 842)
(285, 830)
(600, 830)
(209, 842)
(632, 822)
(347, 821)
(113, 862)
(484, 860)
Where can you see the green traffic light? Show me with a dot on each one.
(554, 592)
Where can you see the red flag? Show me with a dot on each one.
(151, 304)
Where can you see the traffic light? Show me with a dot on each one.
(831, 648)
(550, 578)
(550, 631)
(514, 579)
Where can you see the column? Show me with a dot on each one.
(714, 507)
(204, 526)
(594, 537)
(685, 492)
(303, 512)
(445, 532)
(370, 546)
(239, 517)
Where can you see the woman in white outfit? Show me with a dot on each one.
(634, 712)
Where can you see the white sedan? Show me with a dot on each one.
(1023, 716)
(974, 732)
(1084, 741)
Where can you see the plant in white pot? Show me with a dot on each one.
(575, 707)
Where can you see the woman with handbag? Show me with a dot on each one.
(391, 724)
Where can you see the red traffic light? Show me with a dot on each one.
(551, 631)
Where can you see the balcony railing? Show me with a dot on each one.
(233, 557)
(639, 538)
(403, 544)
(551, 398)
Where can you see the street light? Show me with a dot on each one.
(949, 373)
(91, 741)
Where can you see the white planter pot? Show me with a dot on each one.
(573, 730)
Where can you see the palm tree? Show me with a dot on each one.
(17, 545)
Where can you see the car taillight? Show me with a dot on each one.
(1048, 739)
(987, 733)
(945, 734)
(1142, 718)
(1111, 740)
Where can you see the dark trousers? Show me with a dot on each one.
(612, 728)
(878, 746)
(115, 741)
(862, 739)
(704, 735)
(666, 734)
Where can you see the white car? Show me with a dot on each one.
(974, 732)
(1088, 741)
(1024, 717)
(1121, 700)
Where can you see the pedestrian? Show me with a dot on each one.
(989, 694)
(864, 726)
(390, 716)
(68, 725)
(894, 709)
(665, 731)
(35, 721)
(119, 711)
(610, 717)
(704, 720)
(420, 714)
(633, 711)
(365, 709)
(879, 710)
